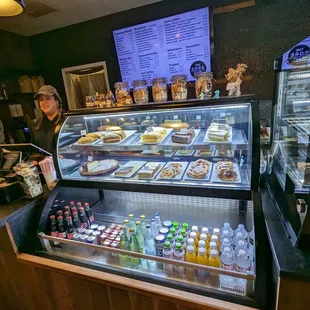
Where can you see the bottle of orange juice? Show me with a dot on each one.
(196, 230)
(190, 255)
(213, 246)
(215, 239)
(204, 237)
(214, 260)
(193, 235)
(217, 233)
(202, 244)
(202, 258)
(205, 230)
(191, 242)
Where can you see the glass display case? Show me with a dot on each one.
(289, 161)
(153, 177)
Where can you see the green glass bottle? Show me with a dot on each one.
(140, 236)
(124, 245)
(134, 246)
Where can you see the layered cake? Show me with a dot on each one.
(148, 171)
(123, 171)
(98, 167)
(183, 136)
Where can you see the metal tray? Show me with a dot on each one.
(137, 164)
(206, 178)
(177, 177)
(216, 179)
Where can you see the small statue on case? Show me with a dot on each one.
(234, 79)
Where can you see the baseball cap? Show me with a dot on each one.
(47, 90)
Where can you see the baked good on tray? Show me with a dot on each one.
(218, 132)
(98, 167)
(148, 122)
(225, 171)
(174, 125)
(171, 171)
(205, 152)
(109, 128)
(94, 135)
(86, 140)
(148, 171)
(199, 169)
(114, 137)
(124, 171)
(183, 137)
(153, 135)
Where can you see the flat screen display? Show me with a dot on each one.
(179, 44)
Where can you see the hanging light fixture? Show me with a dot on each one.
(10, 8)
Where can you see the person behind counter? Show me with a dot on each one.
(51, 106)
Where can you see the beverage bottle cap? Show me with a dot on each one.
(214, 238)
(180, 238)
(157, 214)
(240, 226)
(239, 235)
(122, 227)
(148, 226)
(183, 232)
(126, 221)
(52, 217)
(190, 241)
(138, 223)
(226, 241)
(241, 252)
(216, 231)
(226, 249)
(178, 245)
(226, 225)
(142, 216)
(130, 215)
(203, 237)
(201, 244)
(213, 245)
(195, 229)
(193, 235)
(169, 237)
(202, 251)
(175, 225)
(167, 244)
(185, 226)
(131, 229)
(225, 233)
(152, 220)
(205, 230)
(190, 249)
(172, 231)
(213, 253)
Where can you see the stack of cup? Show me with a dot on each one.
(48, 170)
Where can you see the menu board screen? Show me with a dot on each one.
(179, 44)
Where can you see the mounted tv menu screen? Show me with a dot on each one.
(179, 44)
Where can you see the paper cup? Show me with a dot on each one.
(49, 179)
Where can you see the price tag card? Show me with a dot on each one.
(223, 114)
(132, 119)
(149, 129)
(83, 132)
(183, 131)
(175, 117)
(90, 158)
(147, 117)
(198, 117)
(230, 119)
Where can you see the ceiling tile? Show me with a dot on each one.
(67, 4)
(31, 28)
(90, 11)
(58, 19)
(122, 5)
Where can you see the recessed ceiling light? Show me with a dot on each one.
(9, 8)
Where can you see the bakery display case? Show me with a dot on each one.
(164, 193)
(289, 161)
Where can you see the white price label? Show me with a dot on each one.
(175, 117)
(132, 119)
(83, 132)
(198, 117)
(147, 117)
(90, 158)
(149, 129)
(223, 114)
(183, 131)
(154, 117)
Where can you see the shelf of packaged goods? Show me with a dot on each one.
(163, 269)
(300, 126)
(239, 142)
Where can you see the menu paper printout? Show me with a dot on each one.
(179, 44)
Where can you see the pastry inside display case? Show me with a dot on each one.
(198, 145)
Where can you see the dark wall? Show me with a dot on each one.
(255, 35)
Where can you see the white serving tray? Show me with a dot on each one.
(168, 131)
(162, 164)
(180, 154)
(216, 179)
(205, 179)
(136, 164)
(207, 140)
(177, 177)
(197, 131)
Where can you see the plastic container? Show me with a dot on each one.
(140, 91)
(242, 230)
(226, 226)
(214, 260)
(179, 87)
(243, 263)
(225, 243)
(205, 230)
(159, 89)
(204, 237)
(227, 259)
(239, 237)
(217, 233)
(241, 245)
(203, 85)
(193, 235)
(213, 246)
(215, 239)
(122, 94)
(196, 230)
(202, 258)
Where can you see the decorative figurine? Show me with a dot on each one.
(217, 94)
(234, 79)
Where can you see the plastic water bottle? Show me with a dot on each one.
(153, 228)
(241, 245)
(179, 254)
(149, 246)
(168, 251)
(157, 222)
(226, 235)
(227, 259)
(225, 243)
(243, 263)
(143, 224)
(238, 237)
(242, 230)
(226, 226)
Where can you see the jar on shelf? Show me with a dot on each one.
(203, 85)
(122, 93)
(179, 87)
(159, 89)
(140, 91)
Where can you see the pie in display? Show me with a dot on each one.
(171, 171)
(98, 167)
(225, 171)
(199, 169)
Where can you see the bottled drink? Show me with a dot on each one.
(67, 209)
(59, 213)
(131, 222)
(53, 226)
(143, 224)
(225, 243)
(70, 228)
(126, 228)
(61, 227)
(134, 246)
(203, 237)
(184, 235)
(185, 226)
(241, 246)
(196, 230)
(242, 230)
(239, 236)
(140, 236)
(201, 244)
(181, 240)
(89, 213)
(73, 209)
(226, 226)
(176, 227)
(153, 228)
(173, 233)
(190, 255)
(214, 260)
(83, 218)
(72, 205)
(225, 235)
(171, 240)
(191, 242)
(205, 230)
(202, 258)
(243, 263)
(159, 245)
(76, 221)
(167, 251)
(157, 222)
(149, 242)
(215, 239)
(178, 253)
(216, 232)
(124, 245)
(213, 246)
(193, 235)
(79, 205)
(252, 245)
(227, 259)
